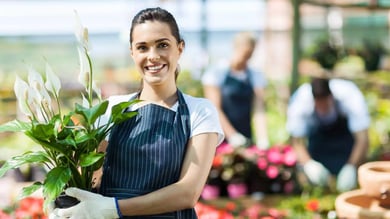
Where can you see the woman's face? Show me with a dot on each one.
(155, 52)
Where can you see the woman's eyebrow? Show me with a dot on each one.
(157, 41)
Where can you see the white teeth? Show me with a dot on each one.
(154, 68)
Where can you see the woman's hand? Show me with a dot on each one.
(91, 206)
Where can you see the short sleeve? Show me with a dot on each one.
(204, 117)
(214, 76)
(300, 107)
(352, 104)
(258, 79)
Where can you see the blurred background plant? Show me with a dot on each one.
(251, 170)
(26, 208)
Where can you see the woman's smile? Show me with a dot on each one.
(154, 68)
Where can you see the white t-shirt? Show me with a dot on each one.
(203, 114)
(215, 76)
(351, 100)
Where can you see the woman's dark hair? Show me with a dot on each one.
(320, 87)
(156, 14)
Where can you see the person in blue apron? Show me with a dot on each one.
(331, 117)
(157, 162)
(237, 90)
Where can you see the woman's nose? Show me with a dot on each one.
(153, 55)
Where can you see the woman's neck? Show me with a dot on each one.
(164, 96)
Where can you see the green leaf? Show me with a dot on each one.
(48, 145)
(67, 141)
(26, 158)
(15, 126)
(90, 159)
(118, 113)
(91, 114)
(55, 182)
(123, 117)
(27, 191)
(43, 131)
(81, 137)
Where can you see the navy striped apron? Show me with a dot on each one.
(237, 102)
(146, 153)
(330, 144)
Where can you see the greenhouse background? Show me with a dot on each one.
(289, 31)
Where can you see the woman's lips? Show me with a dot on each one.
(154, 67)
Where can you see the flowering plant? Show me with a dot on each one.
(70, 140)
(313, 202)
(236, 209)
(29, 207)
(251, 170)
(276, 166)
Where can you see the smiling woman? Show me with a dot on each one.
(157, 162)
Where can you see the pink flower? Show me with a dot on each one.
(255, 150)
(262, 163)
(274, 155)
(224, 148)
(210, 192)
(290, 158)
(272, 172)
(236, 190)
(287, 148)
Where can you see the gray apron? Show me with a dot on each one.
(146, 153)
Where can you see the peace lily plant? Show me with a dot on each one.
(70, 141)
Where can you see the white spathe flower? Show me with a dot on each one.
(81, 32)
(85, 102)
(97, 90)
(53, 83)
(84, 69)
(35, 81)
(40, 96)
(21, 90)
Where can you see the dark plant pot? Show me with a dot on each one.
(65, 201)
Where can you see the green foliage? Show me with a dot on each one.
(312, 203)
(69, 141)
(189, 85)
(69, 148)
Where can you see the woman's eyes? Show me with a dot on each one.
(160, 46)
(141, 48)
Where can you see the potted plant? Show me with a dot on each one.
(326, 54)
(371, 53)
(69, 141)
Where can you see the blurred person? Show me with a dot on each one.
(157, 162)
(328, 121)
(237, 90)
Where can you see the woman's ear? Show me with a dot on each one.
(131, 51)
(181, 46)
